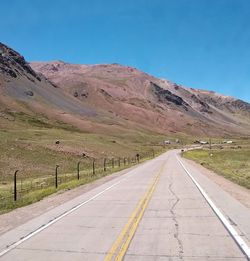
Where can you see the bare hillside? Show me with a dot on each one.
(111, 97)
(155, 103)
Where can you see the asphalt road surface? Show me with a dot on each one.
(153, 212)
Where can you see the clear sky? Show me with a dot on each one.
(197, 43)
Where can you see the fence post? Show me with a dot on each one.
(113, 163)
(93, 167)
(56, 174)
(78, 170)
(15, 189)
(119, 162)
(104, 164)
(153, 153)
(137, 157)
(124, 161)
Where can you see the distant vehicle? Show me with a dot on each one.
(167, 142)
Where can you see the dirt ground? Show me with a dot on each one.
(20, 216)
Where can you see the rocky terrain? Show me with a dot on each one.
(112, 97)
(128, 94)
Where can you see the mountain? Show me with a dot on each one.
(158, 104)
(115, 98)
(22, 89)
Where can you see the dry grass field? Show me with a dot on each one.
(232, 162)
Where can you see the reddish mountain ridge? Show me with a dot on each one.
(114, 98)
(156, 103)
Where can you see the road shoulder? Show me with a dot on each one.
(236, 191)
(19, 216)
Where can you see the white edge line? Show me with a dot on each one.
(51, 222)
(241, 243)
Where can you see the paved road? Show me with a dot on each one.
(154, 212)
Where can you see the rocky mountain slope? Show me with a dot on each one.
(132, 95)
(112, 97)
(22, 89)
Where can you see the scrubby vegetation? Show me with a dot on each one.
(232, 163)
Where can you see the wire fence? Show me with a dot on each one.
(24, 190)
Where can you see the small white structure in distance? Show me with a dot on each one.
(203, 142)
(228, 141)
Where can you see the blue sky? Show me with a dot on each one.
(197, 43)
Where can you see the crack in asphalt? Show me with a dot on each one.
(176, 234)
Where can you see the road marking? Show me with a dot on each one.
(51, 222)
(121, 244)
(237, 238)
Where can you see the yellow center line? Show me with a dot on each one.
(121, 244)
